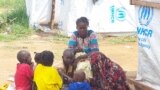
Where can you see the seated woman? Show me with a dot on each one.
(107, 75)
(83, 40)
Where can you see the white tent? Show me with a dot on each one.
(104, 15)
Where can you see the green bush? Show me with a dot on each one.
(11, 3)
(15, 21)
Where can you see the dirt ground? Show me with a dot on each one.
(123, 54)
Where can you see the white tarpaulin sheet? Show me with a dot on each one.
(58, 10)
(113, 16)
(104, 15)
(78, 8)
(39, 12)
(28, 6)
(61, 14)
(70, 11)
(148, 30)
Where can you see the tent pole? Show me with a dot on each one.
(52, 14)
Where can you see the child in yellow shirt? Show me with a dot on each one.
(47, 77)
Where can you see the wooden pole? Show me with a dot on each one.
(145, 3)
(53, 13)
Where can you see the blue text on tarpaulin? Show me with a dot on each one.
(144, 31)
(112, 17)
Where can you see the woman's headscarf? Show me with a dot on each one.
(107, 75)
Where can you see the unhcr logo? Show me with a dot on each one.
(121, 14)
(145, 15)
(118, 14)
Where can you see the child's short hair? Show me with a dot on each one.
(47, 58)
(79, 76)
(69, 50)
(38, 57)
(23, 56)
(68, 53)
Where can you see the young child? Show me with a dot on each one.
(79, 82)
(24, 72)
(68, 60)
(37, 57)
(83, 63)
(47, 77)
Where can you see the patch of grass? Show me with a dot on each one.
(10, 3)
(21, 31)
(60, 37)
(7, 38)
(121, 40)
(15, 22)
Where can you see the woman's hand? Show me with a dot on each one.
(79, 49)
